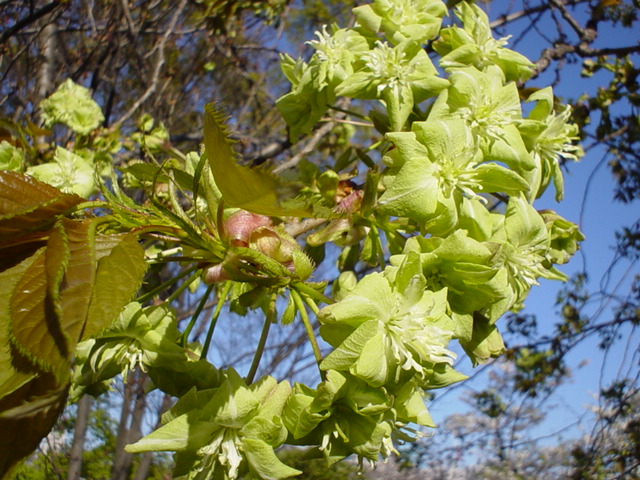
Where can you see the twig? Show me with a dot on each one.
(295, 229)
(348, 122)
(583, 34)
(504, 19)
(214, 318)
(129, 19)
(269, 318)
(196, 314)
(313, 142)
(562, 50)
(29, 19)
(309, 328)
(157, 67)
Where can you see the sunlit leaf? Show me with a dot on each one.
(15, 371)
(253, 189)
(35, 326)
(125, 263)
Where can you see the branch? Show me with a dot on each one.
(157, 68)
(585, 34)
(270, 151)
(28, 20)
(504, 19)
(308, 148)
(561, 50)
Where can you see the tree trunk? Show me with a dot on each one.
(123, 426)
(77, 447)
(46, 72)
(145, 463)
(130, 432)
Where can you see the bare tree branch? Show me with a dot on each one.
(160, 60)
(29, 19)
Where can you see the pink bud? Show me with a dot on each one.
(213, 274)
(239, 225)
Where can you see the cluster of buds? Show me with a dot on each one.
(246, 230)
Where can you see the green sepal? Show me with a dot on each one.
(289, 314)
(485, 343)
(443, 375)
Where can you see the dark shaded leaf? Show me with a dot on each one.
(27, 204)
(28, 414)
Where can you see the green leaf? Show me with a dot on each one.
(72, 105)
(14, 372)
(125, 262)
(35, 326)
(254, 190)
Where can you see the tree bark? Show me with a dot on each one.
(46, 72)
(130, 432)
(123, 426)
(145, 463)
(77, 447)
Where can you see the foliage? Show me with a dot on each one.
(417, 205)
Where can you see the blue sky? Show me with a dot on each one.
(589, 202)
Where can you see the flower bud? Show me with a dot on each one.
(239, 225)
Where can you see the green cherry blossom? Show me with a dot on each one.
(69, 172)
(392, 331)
(551, 140)
(400, 20)
(474, 45)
